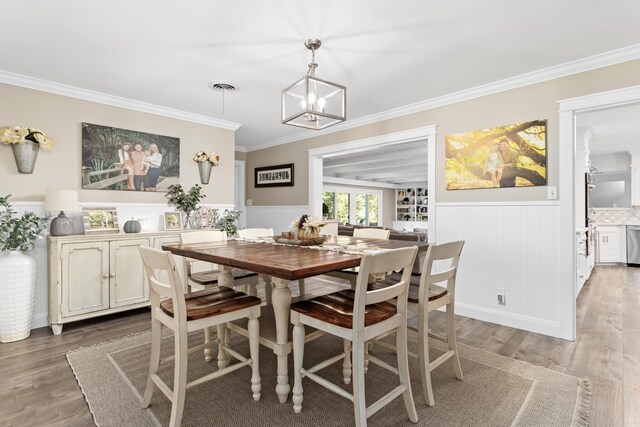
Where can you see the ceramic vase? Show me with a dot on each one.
(25, 155)
(17, 295)
(205, 171)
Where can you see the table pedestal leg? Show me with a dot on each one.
(281, 300)
(225, 278)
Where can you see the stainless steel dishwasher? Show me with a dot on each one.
(633, 245)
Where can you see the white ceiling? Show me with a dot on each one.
(388, 54)
(392, 164)
(613, 130)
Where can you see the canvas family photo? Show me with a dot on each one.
(505, 156)
(121, 159)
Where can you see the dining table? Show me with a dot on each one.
(284, 264)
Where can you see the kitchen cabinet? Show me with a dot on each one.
(96, 275)
(612, 243)
(635, 185)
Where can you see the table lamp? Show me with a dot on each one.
(61, 200)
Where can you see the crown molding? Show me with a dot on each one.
(116, 101)
(241, 148)
(613, 57)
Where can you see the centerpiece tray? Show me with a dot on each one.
(307, 242)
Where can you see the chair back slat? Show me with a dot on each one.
(156, 261)
(203, 236)
(396, 259)
(255, 233)
(443, 252)
(371, 233)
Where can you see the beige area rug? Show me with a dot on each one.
(496, 390)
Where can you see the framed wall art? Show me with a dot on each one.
(172, 221)
(121, 159)
(100, 220)
(274, 176)
(505, 156)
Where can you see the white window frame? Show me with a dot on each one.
(352, 200)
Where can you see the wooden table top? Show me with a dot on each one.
(284, 261)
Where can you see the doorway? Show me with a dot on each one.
(317, 156)
(568, 244)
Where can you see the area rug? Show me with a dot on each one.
(496, 390)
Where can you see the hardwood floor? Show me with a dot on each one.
(38, 388)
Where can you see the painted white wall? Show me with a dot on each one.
(276, 217)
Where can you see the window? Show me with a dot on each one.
(351, 205)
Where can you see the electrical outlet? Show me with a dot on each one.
(502, 296)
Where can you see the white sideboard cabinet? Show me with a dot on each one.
(95, 275)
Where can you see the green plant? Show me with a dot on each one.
(227, 221)
(186, 202)
(18, 234)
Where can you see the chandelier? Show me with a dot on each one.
(312, 102)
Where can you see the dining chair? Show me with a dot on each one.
(330, 229)
(186, 313)
(351, 274)
(256, 233)
(358, 316)
(199, 279)
(428, 296)
(371, 233)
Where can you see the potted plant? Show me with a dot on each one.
(18, 271)
(227, 222)
(186, 202)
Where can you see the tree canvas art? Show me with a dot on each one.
(505, 156)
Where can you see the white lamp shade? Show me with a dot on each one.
(61, 200)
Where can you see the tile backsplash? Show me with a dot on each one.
(617, 216)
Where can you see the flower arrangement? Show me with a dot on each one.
(18, 234)
(20, 134)
(203, 156)
(307, 222)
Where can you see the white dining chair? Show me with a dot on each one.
(428, 296)
(183, 314)
(351, 274)
(357, 317)
(257, 233)
(199, 275)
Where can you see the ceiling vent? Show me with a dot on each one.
(222, 86)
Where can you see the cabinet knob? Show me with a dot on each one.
(112, 276)
(105, 276)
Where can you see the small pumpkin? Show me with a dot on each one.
(132, 226)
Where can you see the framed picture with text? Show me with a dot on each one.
(274, 176)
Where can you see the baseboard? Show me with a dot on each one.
(40, 320)
(513, 320)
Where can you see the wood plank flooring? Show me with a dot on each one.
(38, 388)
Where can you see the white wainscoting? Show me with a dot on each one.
(154, 213)
(512, 246)
(276, 217)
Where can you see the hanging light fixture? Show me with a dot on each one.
(312, 102)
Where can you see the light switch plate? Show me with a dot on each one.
(552, 193)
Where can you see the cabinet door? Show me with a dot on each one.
(635, 185)
(128, 282)
(84, 269)
(609, 245)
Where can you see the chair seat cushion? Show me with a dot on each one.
(211, 277)
(337, 309)
(435, 292)
(212, 302)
